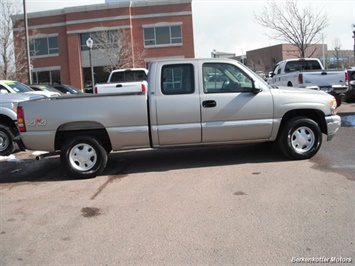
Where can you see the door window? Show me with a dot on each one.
(177, 79)
(225, 78)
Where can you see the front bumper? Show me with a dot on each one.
(333, 125)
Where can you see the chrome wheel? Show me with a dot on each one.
(4, 141)
(302, 139)
(82, 157)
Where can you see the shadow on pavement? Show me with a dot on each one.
(143, 161)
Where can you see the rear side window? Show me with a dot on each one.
(177, 79)
(128, 76)
(302, 65)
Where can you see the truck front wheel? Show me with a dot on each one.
(83, 157)
(300, 138)
(7, 145)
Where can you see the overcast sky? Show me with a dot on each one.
(229, 25)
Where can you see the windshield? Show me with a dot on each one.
(18, 87)
(128, 76)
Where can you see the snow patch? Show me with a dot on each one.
(348, 120)
(11, 158)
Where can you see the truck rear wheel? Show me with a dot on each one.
(300, 138)
(7, 145)
(83, 157)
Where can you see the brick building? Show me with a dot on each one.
(149, 29)
(264, 59)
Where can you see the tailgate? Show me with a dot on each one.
(324, 79)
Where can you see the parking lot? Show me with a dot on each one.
(244, 205)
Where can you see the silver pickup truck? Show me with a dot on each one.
(190, 102)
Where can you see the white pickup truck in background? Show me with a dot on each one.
(124, 81)
(309, 73)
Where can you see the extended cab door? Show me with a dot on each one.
(175, 105)
(230, 110)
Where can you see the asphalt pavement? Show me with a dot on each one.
(230, 205)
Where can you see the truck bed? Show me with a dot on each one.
(129, 111)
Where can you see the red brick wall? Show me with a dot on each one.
(69, 40)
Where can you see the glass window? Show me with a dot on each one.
(162, 35)
(44, 46)
(168, 35)
(128, 76)
(102, 39)
(149, 36)
(53, 45)
(225, 78)
(177, 79)
(46, 77)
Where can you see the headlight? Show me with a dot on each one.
(333, 106)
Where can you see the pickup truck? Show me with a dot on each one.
(309, 73)
(186, 105)
(350, 94)
(8, 119)
(123, 81)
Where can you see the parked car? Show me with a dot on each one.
(10, 86)
(350, 94)
(46, 88)
(67, 89)
(8, 117)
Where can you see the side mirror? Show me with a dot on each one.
(3, 91)
(272, 74)
(256, 87)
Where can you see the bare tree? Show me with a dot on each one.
(118, 47)
(300, 27)
(7, 56)
(337, 52)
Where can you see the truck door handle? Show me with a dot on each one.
(118, 85)
(209, 104)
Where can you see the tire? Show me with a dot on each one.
(7, 146)
(300, 138)
(83, 157)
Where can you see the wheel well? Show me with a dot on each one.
(315, 115)
(7, 121)
(100, 134)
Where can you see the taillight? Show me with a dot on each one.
(300, 78)
(144, 87)
(95, 90)
(21, 119)
(346, 76)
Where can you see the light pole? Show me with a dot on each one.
(29, 72)
(353, 29)
(89, 43)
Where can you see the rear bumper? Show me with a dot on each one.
(333, 125)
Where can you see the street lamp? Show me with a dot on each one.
(89, 44)
(353, 29)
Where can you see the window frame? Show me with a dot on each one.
(180, 80)
(151, 41)
(235, 85)
(52, 48)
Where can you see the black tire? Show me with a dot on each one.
(7, 145)
(83, 157)
(300, 138)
